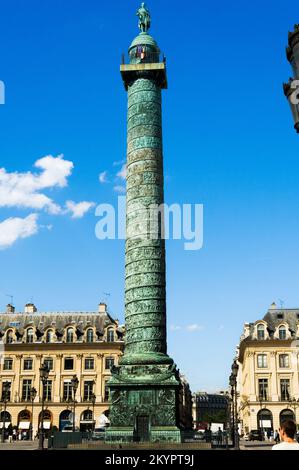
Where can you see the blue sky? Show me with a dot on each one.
(228, 144)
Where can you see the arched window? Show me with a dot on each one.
(265, 420)
(49, 336)
(89, 335)
(70, 335)
(9, 336)
(110, 335)
(282, 332)
(86, 415)
(29, 335)
(260, 332)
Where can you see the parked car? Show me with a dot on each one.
(98, 434)
(256, 435)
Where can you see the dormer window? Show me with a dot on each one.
(89, 335)
(280, 316)
(9, 337)
(282, 332)
(29, 335)
(260, 332)
(70, 335)
(49, 336)
(110, 335)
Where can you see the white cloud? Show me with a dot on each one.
(119, 162)
(15, 228)
(194, 327)
(24, 189)
(119, 189)
(78, 209)
(122, 173)
(103, 177)
(175, 327)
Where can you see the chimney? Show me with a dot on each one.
(10, 308)
(102, 308)
(30, 308)
(273, 306)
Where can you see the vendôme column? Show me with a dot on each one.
(144, 388)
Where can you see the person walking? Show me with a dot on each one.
(276, 437)
(287, 434)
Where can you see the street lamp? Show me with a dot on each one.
(33, 393)
(232, 389)
(44, 374)
(233, 384)
(93, 400)
(74, 383)
(5, 399)
(291, 89)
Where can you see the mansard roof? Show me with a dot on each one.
(57, 320)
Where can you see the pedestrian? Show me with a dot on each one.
(265, 435)
(276, 436)
(219, 435)
(269, 434)
(14, 435)
(287, 434)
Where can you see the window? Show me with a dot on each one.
(106, 392)
(280, 316)
(263, 389)
(9, 337)
(89, 336)
(110, 336)
(262, 361)
(89, 363)
(47, 390)
(68, 363)
(26, 386)
(88, 390)
(87, 415)
(7, 365)
(29, 335)
(67, 390)
(284, 361)
(70, 335)
(28, 364)
(48, 362)
(260, 332)
(282, 332)
(109, 362)
(285, 389)
(5, 394)
(50, 336)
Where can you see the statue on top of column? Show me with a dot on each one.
(144, 18)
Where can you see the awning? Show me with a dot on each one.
(24, 425)
(7, 423)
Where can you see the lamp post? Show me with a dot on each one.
(93, 400)
(5, 399)
(33, 393)
(293, 403)
(232, 391)
(74, 383)
(291, 89)
(44, 374)
(233, 384)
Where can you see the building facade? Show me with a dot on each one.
(210, 407)
(268, 380)
(85, 344)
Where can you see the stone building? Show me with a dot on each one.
(210, 407)
(268, 381)
(85, 344)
